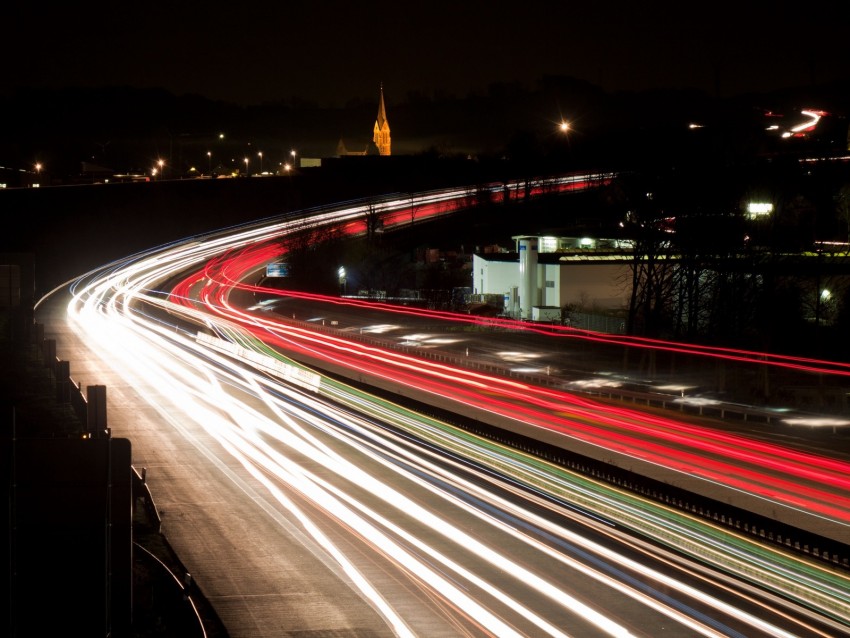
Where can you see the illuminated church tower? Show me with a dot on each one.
(381, 136)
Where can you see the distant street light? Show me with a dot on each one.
(209, 162)
(261, 162)
(247, 174)
(564, 126)
(38, 168)
(292, 153)
(161, 168)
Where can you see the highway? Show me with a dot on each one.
(278, 474)
(786, 477)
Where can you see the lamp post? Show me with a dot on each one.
(247, 174)
(209, 162)
(260, 155)
(562, 148)
(292, 153)
(161, 168)
(341, 273)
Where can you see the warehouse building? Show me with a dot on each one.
(546, 273)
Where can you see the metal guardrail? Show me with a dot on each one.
(723, 513)
(692, 405)
(90, 406)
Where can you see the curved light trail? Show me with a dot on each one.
(498, 537)
(800, 480)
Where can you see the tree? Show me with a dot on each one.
(842, 208)
(652, 281)
(374, 220)
(312, 257)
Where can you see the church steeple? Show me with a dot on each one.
(381, 135)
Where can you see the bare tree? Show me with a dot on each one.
(842, 207)
(413, 209)
(374, 219)
(312, 258)
(652, 280)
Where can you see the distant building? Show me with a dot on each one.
(342, 151)
(551, 272)
(381, 135)
(93, 174)
(380, 143)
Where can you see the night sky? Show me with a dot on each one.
(330, 52)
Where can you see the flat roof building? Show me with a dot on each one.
(552, 272)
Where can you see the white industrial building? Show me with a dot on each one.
(545, 274)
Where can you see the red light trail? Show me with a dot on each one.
(799, 480)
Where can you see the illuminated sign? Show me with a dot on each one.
(757, 209)
(277, 270)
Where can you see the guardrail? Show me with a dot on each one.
(693, 405)
(180, 596)
(723, 513)
(89, 406)
(174, 587)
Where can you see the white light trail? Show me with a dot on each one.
(259, 422)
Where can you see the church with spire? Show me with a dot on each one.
(381, 134)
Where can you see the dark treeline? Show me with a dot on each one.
(128, 129)
(703, 270)
(706, 271)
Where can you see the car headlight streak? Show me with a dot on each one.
(259, 421)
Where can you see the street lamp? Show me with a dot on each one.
(209, 162)
(247, 174)
(564, 126)
(161, 168)
(292, 153)
(260, 154)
